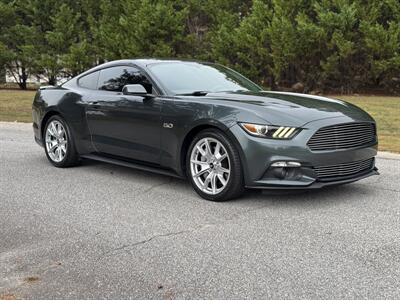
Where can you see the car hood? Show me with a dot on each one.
(290, 109)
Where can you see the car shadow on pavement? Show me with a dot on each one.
(327, 196)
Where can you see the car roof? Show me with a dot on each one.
(140, 62)
(148, 61)
(144, 62)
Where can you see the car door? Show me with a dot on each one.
(126, 126)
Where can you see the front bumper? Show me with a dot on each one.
(314, 184)
(258, 154)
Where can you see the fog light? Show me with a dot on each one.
(286, 164)
(280, 172)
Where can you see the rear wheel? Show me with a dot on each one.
(213, 166)
(59, 144)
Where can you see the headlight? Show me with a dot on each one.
(269, 131)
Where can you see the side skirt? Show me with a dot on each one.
(133, 165)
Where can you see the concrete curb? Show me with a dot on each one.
(22, 126)
(388, 155)
(16, 125)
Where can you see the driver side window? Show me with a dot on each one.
(115, 78)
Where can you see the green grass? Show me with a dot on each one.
(386, 112)
(15, 105)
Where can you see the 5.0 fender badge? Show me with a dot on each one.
(168, 125)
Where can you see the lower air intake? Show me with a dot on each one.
(335, 172)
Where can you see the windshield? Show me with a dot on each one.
(190, 77)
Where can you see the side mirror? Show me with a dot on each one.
(134, 89)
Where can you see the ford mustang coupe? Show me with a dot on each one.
(205, 122)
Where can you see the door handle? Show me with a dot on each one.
(94, 104)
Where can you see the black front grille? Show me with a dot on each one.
(344, 170)
(343, 136)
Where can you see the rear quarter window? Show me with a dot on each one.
(89, 81)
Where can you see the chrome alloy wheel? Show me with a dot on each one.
(56, 141)
(210, 166)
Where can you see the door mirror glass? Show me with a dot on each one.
(134, 89)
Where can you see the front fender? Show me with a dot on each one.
(187, 118)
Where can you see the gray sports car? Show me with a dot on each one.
(205, 122)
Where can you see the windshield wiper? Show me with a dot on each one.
(195, 93)
(232, 91)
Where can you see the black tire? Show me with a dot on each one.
(71, 157)
(235, 185)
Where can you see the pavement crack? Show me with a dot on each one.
(155, 186)
(128, 247)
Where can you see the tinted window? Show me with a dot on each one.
(114, 79)
(89, 81)
(188, 77)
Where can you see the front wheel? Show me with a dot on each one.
(213, 166)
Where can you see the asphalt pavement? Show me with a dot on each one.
(99, 231)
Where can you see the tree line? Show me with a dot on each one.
(316, 45)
